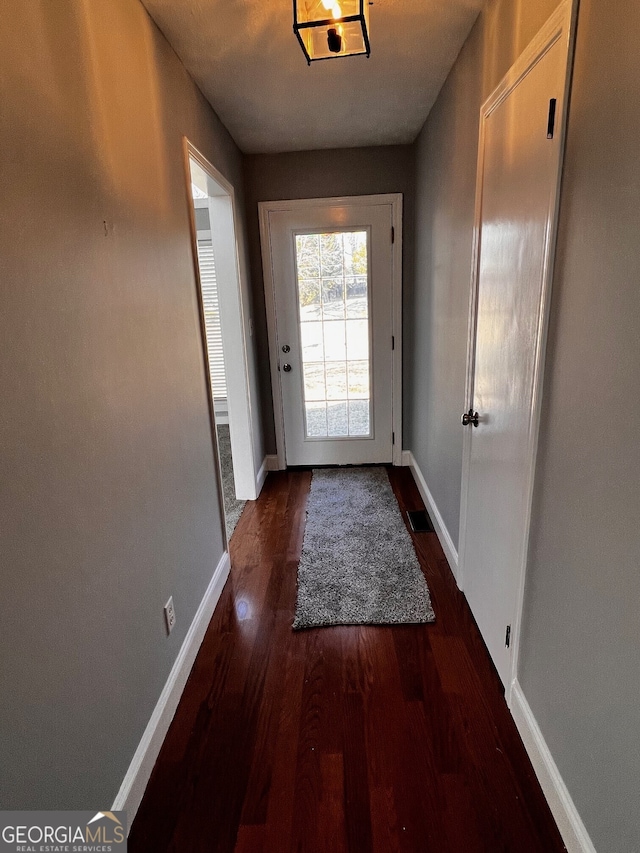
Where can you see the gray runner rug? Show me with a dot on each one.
(358, 563)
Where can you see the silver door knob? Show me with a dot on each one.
(286, 368)
(470, 417)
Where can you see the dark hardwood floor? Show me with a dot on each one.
(357, 739)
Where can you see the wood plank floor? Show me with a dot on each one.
(360, 739)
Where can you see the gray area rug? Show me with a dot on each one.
(358, 563)
(232, 507)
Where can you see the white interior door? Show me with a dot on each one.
(519, 166)
(332, 270)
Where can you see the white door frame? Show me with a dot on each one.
(264, 209)
(559, 27)
(234, 334)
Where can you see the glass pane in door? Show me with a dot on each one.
(333, 305)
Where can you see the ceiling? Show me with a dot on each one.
(246, 60)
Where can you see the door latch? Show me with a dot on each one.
(470, 417)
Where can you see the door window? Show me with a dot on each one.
(334, 317)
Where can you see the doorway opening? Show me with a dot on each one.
(222, 323)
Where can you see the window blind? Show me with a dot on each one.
(209, 287)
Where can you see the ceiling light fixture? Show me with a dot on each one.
(327, 29)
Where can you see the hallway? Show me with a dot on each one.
(342, 739)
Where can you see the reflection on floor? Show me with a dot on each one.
(232, 507)
(366, 739)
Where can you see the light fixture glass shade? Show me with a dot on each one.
(327, 29)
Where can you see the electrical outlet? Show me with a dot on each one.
(170, 615)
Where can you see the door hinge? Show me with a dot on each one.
(507, 636)
(393, 341)
(393, 438)
(551, 122)
(393, 234)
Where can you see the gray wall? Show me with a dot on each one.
(321, 174)
(580, 663)
(580, 644)
(108, 496)
(436, 321)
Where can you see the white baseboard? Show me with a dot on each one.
(450, 551)
(572, 830)
(261, 476)
(133, 786)
(272, 462)
(221, 409)
(269, 463)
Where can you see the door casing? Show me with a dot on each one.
(234, 316)
(560, 26)
(264, 209)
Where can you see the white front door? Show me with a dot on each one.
(332, 269)
(517, 198)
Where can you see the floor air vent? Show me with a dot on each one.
(420, 521)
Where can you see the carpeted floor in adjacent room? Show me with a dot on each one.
(232, 507)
